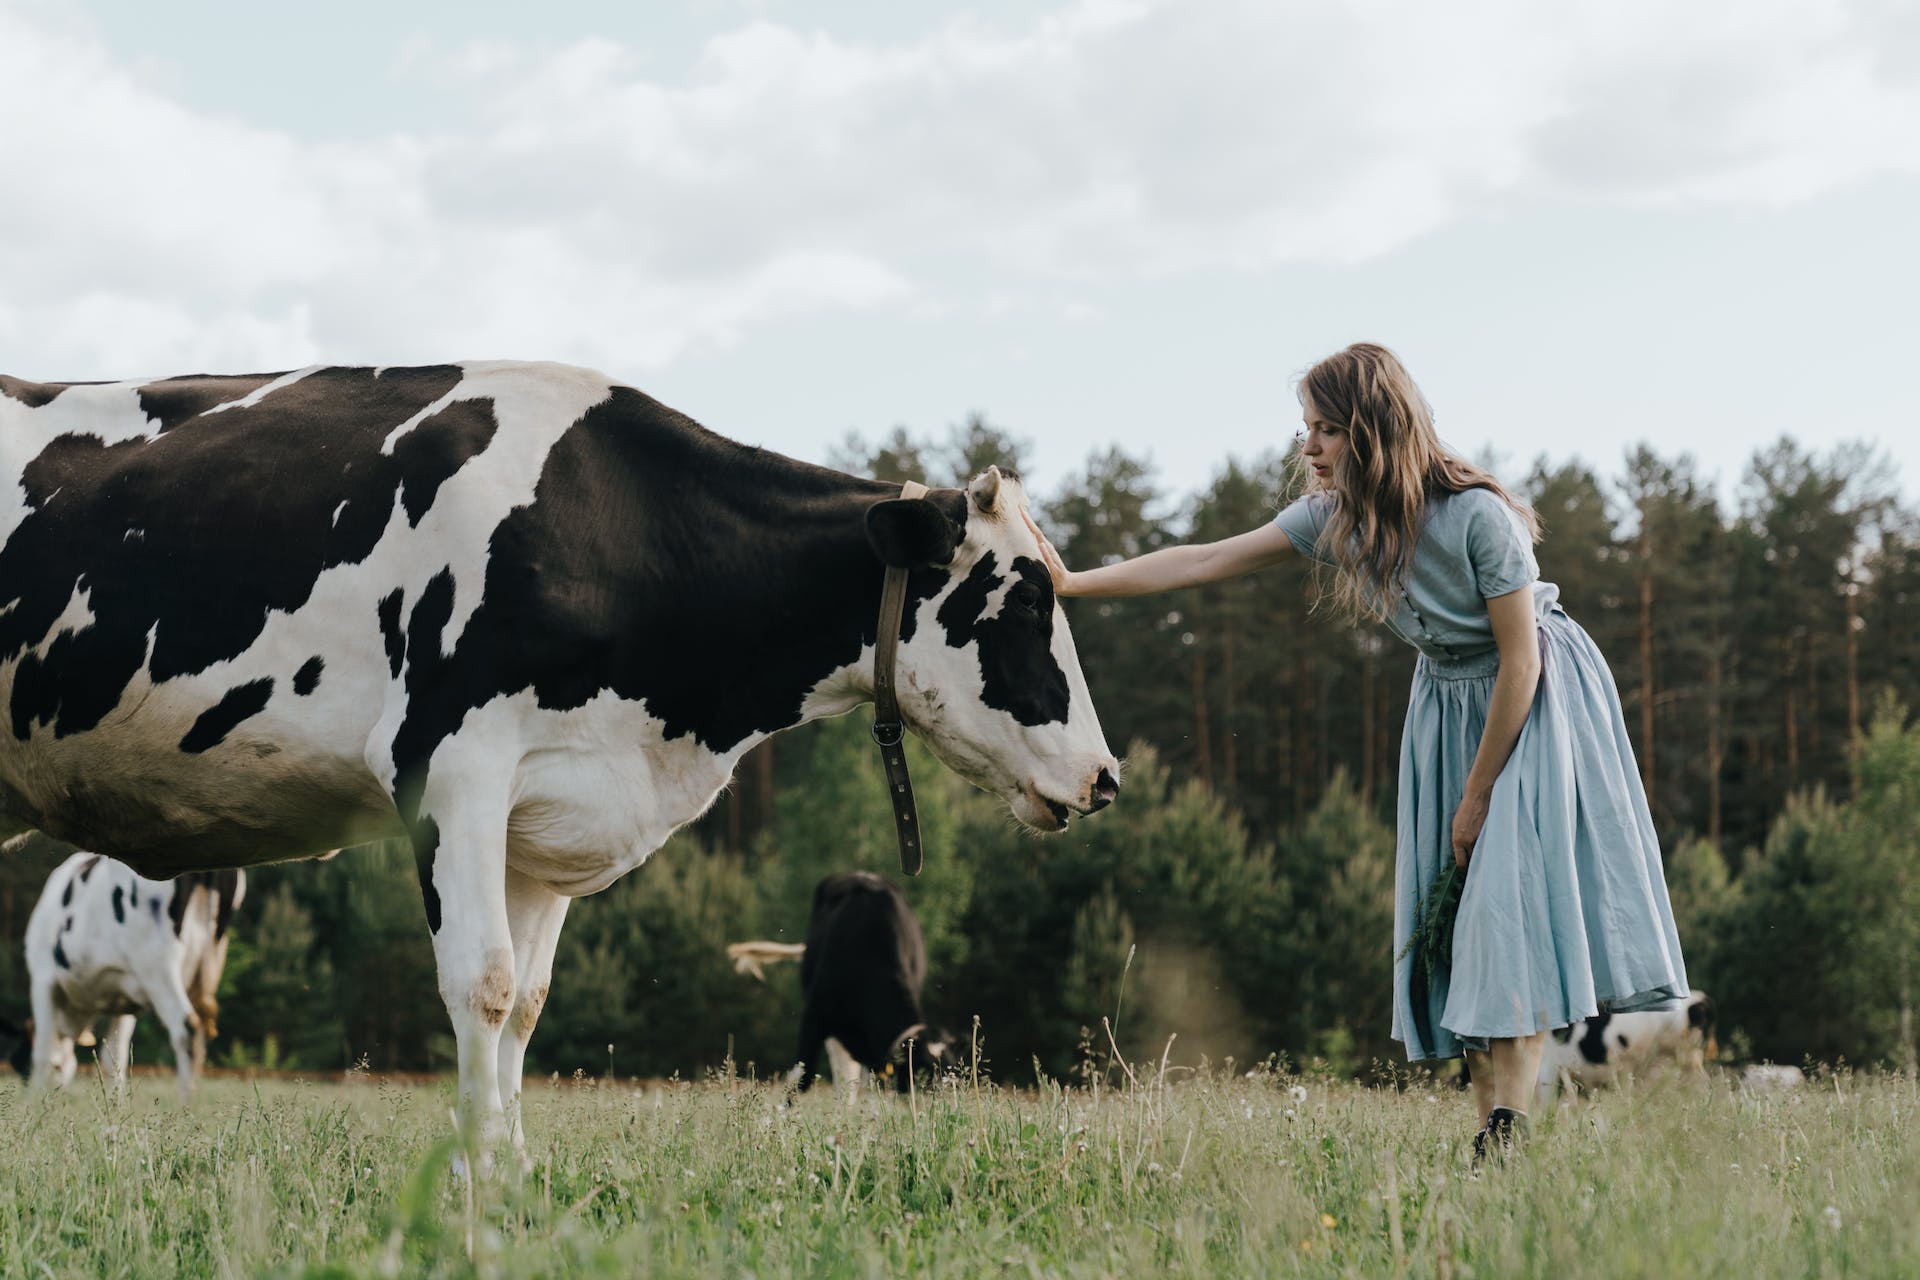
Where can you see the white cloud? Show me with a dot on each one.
(587, 211)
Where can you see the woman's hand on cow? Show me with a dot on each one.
(1056, 567)
(1468, 819)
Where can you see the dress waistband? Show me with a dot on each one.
(1479, 666)
(1470, 666)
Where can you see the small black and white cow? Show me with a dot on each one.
(1603, 1049)
(862, 969)
(104, 942)
(521, 614)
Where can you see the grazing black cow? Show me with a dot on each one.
(526, 616)
(862, 969)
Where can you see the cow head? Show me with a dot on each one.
(924, 1054)
(986, 671)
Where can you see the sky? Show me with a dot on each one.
(1100, 223)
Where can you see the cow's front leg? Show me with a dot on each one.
(460, 850)
(53, 1032)
(535, 914)
(116, 1053)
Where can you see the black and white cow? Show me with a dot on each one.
(862, 969)
(1603, 1049)
(104, 942)
(527, 616)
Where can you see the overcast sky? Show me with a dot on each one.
(1113, 222)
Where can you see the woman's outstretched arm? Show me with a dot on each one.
(1171, 567)
(1517, 635)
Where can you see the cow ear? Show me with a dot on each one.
(985, 489)
(907, 533)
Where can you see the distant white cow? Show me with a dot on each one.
(105, 942)
(1603, 1049)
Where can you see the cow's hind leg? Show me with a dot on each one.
(534, 914)
(846, 1070)
(175, 1011)
(460, 849)
(116, 1053)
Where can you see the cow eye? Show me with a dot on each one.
(1027, 596)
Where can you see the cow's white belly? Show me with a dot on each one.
(596, 789)
(291, 781)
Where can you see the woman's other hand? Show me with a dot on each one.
(1468, 819)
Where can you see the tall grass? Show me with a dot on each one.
(1195, 1175)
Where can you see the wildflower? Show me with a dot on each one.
(1298, 1093)
(1832, 1215)
(1153, 1167)
(1328, 1221)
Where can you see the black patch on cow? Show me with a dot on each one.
(426, 843)
(183, 887)
(34, 395)
(60, 955)
(663, 563)
(1701, 1013)
(66, 894)
(119, 904)
(390, 633)
(237, 513)
(217, 721)
(153, 909)
(1593, 1044)
(173, 401)
(307, 678)
(1562, 1034)
(431, 453)
(226, 891)
(86, 868)
(1018, 673)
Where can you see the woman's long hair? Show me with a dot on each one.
(1393, 462)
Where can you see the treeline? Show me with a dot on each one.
(1238, 897)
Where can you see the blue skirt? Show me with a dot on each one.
(1565, 908)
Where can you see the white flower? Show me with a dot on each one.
(1832, 1215)
(1298, 1093)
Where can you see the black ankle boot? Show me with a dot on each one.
(1504, 1130)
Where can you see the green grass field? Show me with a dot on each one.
(1201, 1176)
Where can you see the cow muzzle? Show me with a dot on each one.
(1041, 811)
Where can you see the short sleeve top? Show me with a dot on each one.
(1472, 547)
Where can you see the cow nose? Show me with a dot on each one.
(1105, 788)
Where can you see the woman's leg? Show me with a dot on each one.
(1515, 1074)
(1480, 1072)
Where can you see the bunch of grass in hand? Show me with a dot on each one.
(1432, 946)
(1432, 939)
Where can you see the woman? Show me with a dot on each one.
(1515, 760)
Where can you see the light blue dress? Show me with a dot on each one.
(1565, 909)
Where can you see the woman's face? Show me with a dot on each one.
(1324, 444)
